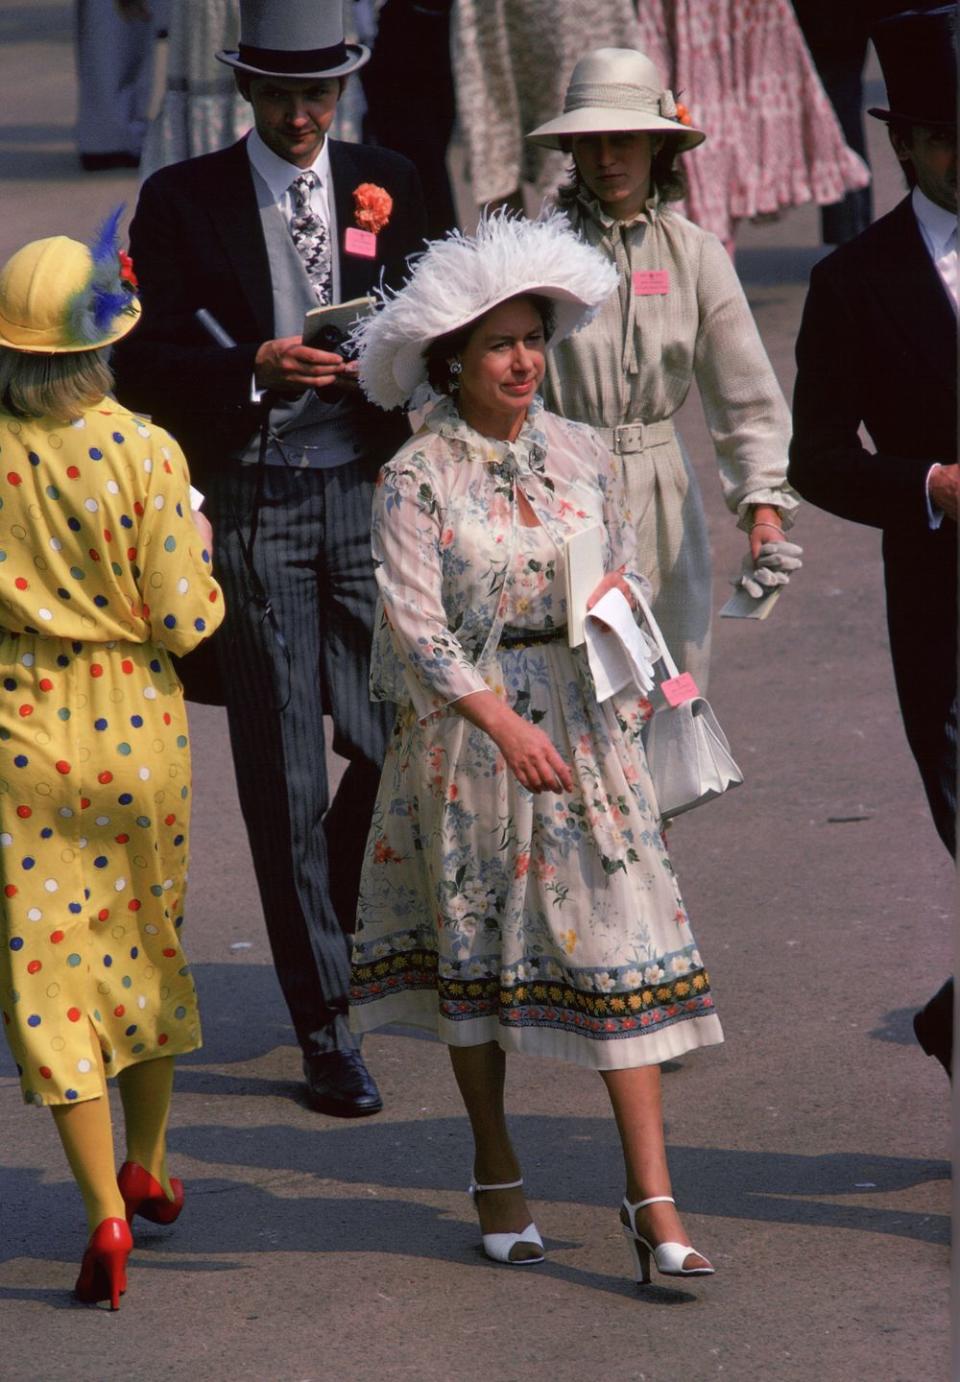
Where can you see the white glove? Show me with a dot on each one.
(773, 563)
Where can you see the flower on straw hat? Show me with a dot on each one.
(459, 278)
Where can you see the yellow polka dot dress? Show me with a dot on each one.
(102, 576)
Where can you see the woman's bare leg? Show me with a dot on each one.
(480, 1074)
(638, 1109)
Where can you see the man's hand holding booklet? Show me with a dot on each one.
(327, 328)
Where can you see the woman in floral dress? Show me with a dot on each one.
(516, 891)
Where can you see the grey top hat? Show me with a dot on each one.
(294, 38)
(616, 90)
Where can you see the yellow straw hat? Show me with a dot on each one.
(57, 295)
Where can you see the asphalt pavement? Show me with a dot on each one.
(810, 1153)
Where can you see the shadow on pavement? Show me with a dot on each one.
(896, 1026)
(242, 1012)
(776, 265)
(762, 1187)
(244, 1220)
(35, 22)
(42, 165)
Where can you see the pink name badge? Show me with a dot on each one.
(361, 242)
(679, 689)
(648, 283)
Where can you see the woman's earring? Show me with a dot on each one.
(454, 369)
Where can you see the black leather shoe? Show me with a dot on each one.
(933, 1026)
(340, 1084)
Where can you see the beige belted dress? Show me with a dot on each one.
(680, 314)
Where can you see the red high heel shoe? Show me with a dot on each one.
(103, 1271)
(143, 1195)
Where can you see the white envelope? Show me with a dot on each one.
(617, 651)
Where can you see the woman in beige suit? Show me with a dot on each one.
(680, 315)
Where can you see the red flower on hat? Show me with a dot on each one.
(372, 206)
(127, 275)
(683, 115)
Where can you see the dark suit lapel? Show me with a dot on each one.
(232, 206)
(357, 274)
(906, 282)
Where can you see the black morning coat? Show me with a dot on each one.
(878, 346)
(196, 241)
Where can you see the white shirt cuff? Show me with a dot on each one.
(934, 515)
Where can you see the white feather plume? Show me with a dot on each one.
(459, 278)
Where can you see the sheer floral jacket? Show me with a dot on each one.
(445, 524)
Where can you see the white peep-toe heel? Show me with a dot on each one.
(498, 1246)
(669, 1257)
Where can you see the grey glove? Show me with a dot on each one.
(774, 562)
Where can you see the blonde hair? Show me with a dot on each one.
(57, 386)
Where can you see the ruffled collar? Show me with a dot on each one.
(590, 207)
(527, 452)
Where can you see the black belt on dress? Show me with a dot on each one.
(530, 638)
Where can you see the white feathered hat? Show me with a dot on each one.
(460, 278)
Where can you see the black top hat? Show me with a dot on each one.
(918, 53)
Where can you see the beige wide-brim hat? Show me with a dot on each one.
(56, 297)
(613, 91)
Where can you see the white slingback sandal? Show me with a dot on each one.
(500, 1245)
(669, 1257)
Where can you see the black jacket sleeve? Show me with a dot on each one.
(841, 377)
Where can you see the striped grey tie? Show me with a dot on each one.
(310, 236)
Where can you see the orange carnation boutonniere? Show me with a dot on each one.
(373, 206)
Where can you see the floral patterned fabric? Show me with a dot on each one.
(743, 70)
(551, 923)
(511, 64)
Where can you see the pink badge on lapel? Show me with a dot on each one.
(360, 242)
(649, 283)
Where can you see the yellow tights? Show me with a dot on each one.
(86, 1132)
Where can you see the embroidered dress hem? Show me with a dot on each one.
(659, 1043)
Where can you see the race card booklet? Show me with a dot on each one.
(583, 573)
(325, 328)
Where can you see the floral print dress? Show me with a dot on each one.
(551, 923)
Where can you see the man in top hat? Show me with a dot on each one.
(281, 222)
(878, 347)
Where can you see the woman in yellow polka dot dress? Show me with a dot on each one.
(104, 572)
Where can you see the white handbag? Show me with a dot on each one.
(687, 751)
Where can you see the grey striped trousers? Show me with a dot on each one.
(312, 555)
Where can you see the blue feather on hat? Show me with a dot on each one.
(93, 310)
